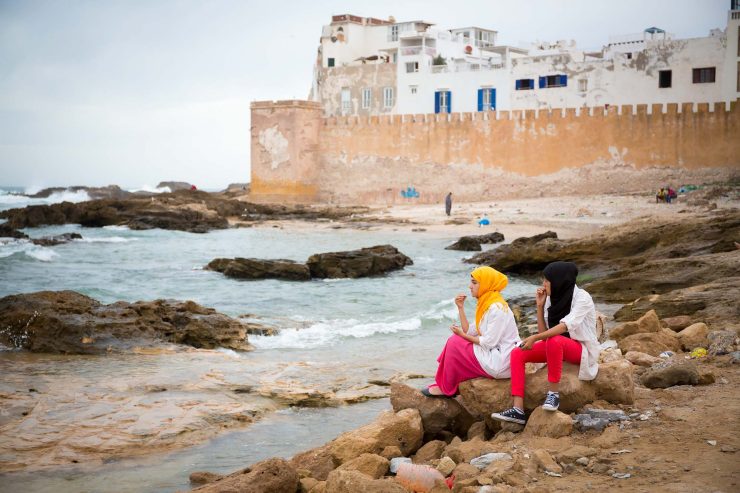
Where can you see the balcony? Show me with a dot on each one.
(418, 50)
(467, 67)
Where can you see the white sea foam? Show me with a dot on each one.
(109, 239)
(117, 228)
(26, 248)
(331, 332)
(150, 189)
(8, 199)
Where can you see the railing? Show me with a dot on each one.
(416, 50)
(735, 15)
(468, 67)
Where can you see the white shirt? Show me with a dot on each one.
(581, 323)
(498, 336)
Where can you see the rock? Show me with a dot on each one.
(652, 343)
(466, 451)
(694, 336)
(250, 268)
(677, 323)
(473, 243)
(586, 422)
(545, 461)
(429, 451)
(735, 357)
(614, 383)
(269, 476)
(318, 461)
(341, 481)
(48, 241)
(611, 415)
(721, 342)
(397, 461)
(574, 453)
(372, 261)
(403, 429)
(7, 232)
(645, 324)
(609, 355)
(523, 255)
(706, 377)
(319, 488)
(72, 323)
(391, 452)
(675, 371)
(465, 471)
(485, 460)
(307, 484)
(437, 413)
(204, 477)
(641, 359)
(609, 438)
(372, 465)
(582, 461)
(175, 186)
(550, 424)
(478, 429)
(446, 466)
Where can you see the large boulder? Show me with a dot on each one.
(403, 429)
(319, 462)
(542, 423)
(7, 232)
(372, 261)
(652, 343)
(647, 323)
(72, 323)
(641, 359)
(473, 243)
(523, 255)
(343, 481)
(372, 465)
(269, 476)
(252, 268)
(694, 336)
(614, 383)
(674, 371)
(437, 413)
(677, 323)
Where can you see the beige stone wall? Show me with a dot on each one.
(488, 156)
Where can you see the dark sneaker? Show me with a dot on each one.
(510, 415)
(552, 402)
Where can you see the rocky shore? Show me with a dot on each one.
(660, 416)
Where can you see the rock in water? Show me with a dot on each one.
(250, 268)
(364, 262)
(473, 243)
(69, 322)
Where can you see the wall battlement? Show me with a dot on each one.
(298, 155)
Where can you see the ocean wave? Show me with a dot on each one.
(14, 199)
(150, 189)
(117, 228)
(109, 239)
(28, 249)
(331, 332)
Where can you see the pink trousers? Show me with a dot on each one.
(457, 363)
(552, 351)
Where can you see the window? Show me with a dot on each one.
(388, 97)
(738, 77)
(442, 101)
(330, 62)
(393, 33)
(628, 55)
(548, 81)
(665, 78)
(413, 89)
(583, 85)
(367, 95)
(486, 99)
(412, 67)
(346, 102)
(394, 58)
(704, 75)
(738, 41)
(524, 84)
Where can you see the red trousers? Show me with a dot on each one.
(552, 351)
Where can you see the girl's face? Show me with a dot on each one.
(474, 286)
(546, 285)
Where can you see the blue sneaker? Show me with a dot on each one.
(552, 402)
(511, 415)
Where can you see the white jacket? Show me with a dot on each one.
(581, 322)
(498, 336)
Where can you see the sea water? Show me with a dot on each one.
(335, 334)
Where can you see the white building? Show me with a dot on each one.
(368, 66)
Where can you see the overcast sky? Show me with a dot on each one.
(135, 92)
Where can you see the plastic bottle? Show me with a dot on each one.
(418, 478)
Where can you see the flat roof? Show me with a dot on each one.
(474, 27)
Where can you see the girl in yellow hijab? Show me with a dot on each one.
(480, 350)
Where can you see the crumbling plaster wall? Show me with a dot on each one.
(372, 75)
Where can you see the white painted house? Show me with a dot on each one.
(368, 66)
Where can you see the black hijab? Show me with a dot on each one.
(562, 277)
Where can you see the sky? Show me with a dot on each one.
(141, 91)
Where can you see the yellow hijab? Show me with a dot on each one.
(490, 284)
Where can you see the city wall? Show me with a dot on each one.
(300, 156)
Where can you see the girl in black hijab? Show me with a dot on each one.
(566, 331)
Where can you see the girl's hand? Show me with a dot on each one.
(456, 330)
(540, 297)
(460, 300)
(528, 343)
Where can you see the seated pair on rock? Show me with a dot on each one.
(566, 331)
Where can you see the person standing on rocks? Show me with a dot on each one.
(483, 349)
(566, 331)
(448, 203)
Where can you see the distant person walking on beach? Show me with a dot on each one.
(480, 350)
(566, 331)
(448, 203)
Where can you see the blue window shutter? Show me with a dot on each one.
(518, 84)
(531, 83)
(563, 80)
(449, 101)
(542, 82)
(480, 99)
(493, 99)
(436, 102)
